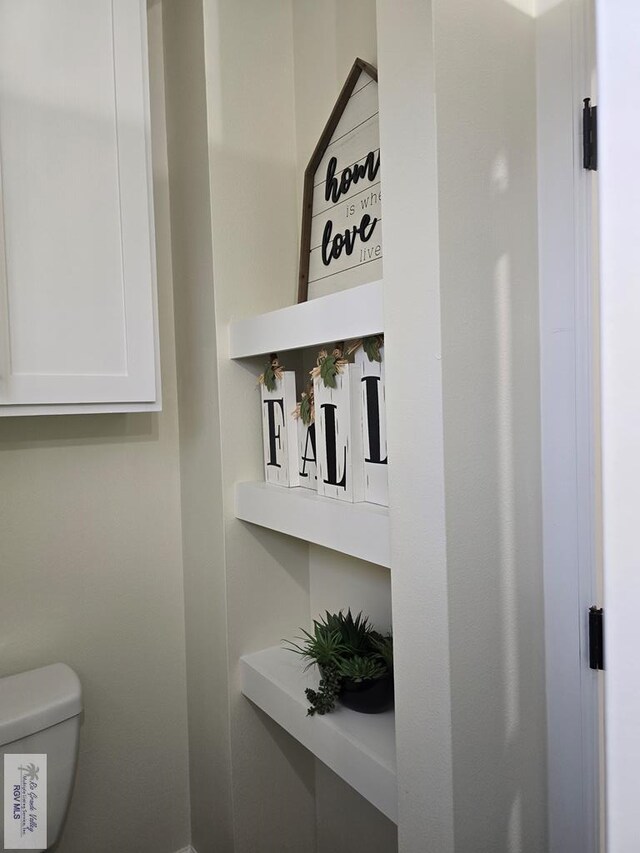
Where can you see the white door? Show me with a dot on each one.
(76, 246)
(618, 27)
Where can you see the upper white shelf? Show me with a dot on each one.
(360, 748)
(342, 316)
(358, 529)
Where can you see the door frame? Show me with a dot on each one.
(569, 392)
(618, 35)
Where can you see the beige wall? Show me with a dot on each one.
(91, 574)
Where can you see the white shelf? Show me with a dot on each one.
(360, 748)
(360, 529)
(342, 316)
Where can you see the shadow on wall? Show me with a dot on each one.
(22, 433)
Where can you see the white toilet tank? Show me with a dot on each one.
(40, 713)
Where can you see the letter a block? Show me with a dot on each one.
(307, 456)
(339, 436)
(374, 428)
(280, 431)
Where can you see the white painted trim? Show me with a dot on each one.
(416, 480)
(341, 316)
(618, 36)
(568, 441)
(358, 529)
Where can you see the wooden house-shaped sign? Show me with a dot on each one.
(341, 240)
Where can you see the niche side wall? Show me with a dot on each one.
(252, 179)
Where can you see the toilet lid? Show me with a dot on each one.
(35, 700)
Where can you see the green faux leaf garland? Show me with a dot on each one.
(305, 409)
(272, 373)
(329, 366)
(371, 345)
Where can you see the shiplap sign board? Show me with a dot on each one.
(340, 458)
(341, 243)
(280, 431)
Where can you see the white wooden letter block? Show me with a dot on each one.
(339, 437)
(280, 431)
(374, 428)
(307, 467)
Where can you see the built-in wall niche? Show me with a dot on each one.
(461, 299)
(340, 547)
(360, 748)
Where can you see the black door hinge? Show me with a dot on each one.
(596, 638)
(589, 136)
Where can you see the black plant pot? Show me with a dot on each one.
(367, 697)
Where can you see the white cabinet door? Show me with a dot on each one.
(77, 268)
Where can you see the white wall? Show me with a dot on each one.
(487, 198)
(461, 304)
(91, 568)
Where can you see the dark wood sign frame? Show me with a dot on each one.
(307, 199)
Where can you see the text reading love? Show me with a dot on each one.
(334, 189)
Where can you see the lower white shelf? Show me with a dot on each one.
(359, 529)
(360, 748)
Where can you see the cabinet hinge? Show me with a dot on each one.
(589, 136)
(596, 638)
